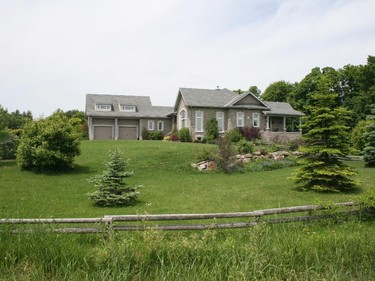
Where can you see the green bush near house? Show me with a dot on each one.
(184, 135)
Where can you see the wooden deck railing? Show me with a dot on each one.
(144, 222)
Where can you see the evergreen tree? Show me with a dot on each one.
(113, 191)
(369, 136)
(326, 142)
(212, 128)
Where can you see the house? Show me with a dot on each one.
(194, 107)
(125, 117)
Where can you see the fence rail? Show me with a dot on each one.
(121, 222)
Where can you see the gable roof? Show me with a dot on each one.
(217, 98)
(205, 97)
(282, 109)
(144, 108)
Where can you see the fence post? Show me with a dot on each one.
(108, 227)
(258, 215)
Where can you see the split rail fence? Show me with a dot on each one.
(190, 221)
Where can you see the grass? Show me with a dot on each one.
(171, 185)
(326, 250)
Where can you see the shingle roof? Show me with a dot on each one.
(281, 108)
(207, 98)
(143, 104)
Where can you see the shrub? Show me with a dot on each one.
(233, 135)
(226, 161)
(212, 128)
(369, 149)
(145, 134)
(113, 191)
(156, 135)
(250, 133)
(269, 165)
(173, 136)
(8, 145)
(184, 135)
(244, 146)
(205, 153)
(48, 144)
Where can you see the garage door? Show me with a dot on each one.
(102, 132)
(127, 133)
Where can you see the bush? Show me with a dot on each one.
(244, 146)
(145, 134)
(184, 135)
(156, 135)
(173, 136)
(233, 135)
(269, 165)
(250, 133)
(205, 154)
(212, 128)
(226, 161)
(48, 144)
(8, 145)
(113, 191)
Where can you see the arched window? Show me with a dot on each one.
(182, 119)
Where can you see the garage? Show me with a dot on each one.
(103, 132)
(128, 133)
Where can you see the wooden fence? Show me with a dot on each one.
(144, 222)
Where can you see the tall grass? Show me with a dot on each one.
(266, 252)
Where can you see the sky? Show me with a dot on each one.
(54, 52)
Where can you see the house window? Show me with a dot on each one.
(128, 108)
(199, 121)
(220, 121)
(160, 125)
(150, 125)
(182, 119)
(103, 107)
(256, 119)
(240, 119)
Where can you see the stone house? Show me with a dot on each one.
(194, 107)
(124, 117)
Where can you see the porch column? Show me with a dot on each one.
(116, 129)
(268, 123)
(91, 128)
(300, 125)
(284, 121)
(140, 129)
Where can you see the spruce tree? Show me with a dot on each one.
(369, 136)
(113, 191)
(326, 143)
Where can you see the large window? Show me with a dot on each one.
(199, 121)
(150, 125)
(182, 119)
(240, 119)
(256, 119)
(220, 121)
(160, 125)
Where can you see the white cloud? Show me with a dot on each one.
(54, 52)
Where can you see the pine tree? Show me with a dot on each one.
(113, 191)
(326, 143)
(369, 136)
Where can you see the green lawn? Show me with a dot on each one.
(324, 250)
(171, 185)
